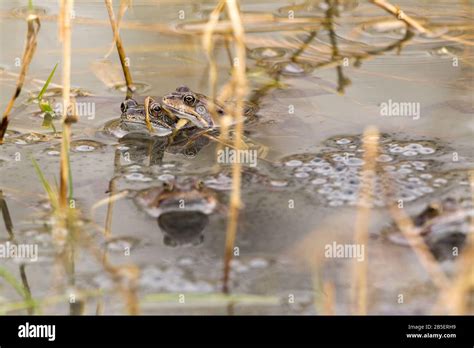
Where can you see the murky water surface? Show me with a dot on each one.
(307, 186)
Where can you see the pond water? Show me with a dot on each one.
(305, 190)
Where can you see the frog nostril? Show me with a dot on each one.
(127, 103)
(123, 107)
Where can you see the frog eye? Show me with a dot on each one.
(201, 110)
(155, 108)
(220, 112)
(189, 99)
(127, 103)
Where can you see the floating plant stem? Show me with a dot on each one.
(120, 49)
(213, 299)
(30, 47)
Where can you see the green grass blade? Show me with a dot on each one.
(212, 299)
(10, 279)
(19, 288)
(47, 187)
(46, 84)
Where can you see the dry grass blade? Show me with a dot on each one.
(240, 81)
(26, 286)
(413, 23)
(6, 216)
(208, 44)
(124, 5)
(115, 197)
(147, 114)
(120, 49)
(30, 47)
(359, 284)
(329, 299)
(397, 12)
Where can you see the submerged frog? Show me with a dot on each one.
(444, 226)
(181, 207)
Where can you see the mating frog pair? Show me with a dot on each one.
(182, 104)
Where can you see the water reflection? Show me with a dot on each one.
(181, 207)
(183, 227)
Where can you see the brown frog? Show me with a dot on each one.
(195, 107)
(444, 226)
(134, 115)
(181, 207)
(192, 106)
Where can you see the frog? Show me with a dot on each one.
(181, 207)
(195, 107)
(133, 119)
(133, 115)
(444, 224)
(192, 106)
